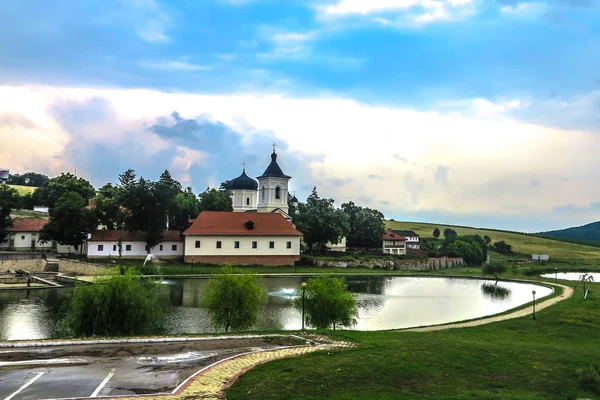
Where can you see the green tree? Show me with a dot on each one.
(121, 305)
(320, 221)
(450, 235)
(233, 298)
(215, 200)
(487, 240)
(494, 268)
(328, 303)
(186, 206)
(366, 226)
(470, 252)
(436, 233)
(167, 189)
(145, 204)
(55, 188)
(502, 247)
(9, 200)
(70, 221)
(291, 206)
(28, 179)
(108, 207)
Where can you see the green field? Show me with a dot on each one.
(552, 357)
(23, 190)
(524, 245)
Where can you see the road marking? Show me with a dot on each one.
(35, 378)
(104, 382)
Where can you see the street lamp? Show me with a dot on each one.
(303, 290)
(533, 292)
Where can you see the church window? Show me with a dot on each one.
(278, 193)
(247, 201)
(262, 195)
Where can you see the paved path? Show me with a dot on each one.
(567, 292)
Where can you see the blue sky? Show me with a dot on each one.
(456, 111)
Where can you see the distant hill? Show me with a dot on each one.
(524, 244)
(586, 233)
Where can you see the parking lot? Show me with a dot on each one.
(89, 372)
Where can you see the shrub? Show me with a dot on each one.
(589, 378)
(306, 260)
(121, 305)
(328, 303)
(502, 247)
(233, 298)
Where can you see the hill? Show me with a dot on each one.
(523, 244)
(23, 190)
(589, 233)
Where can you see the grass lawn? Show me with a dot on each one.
(525, 245)
(23, 190)
(514, 359)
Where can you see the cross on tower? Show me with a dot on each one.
(244, 164)
(274, 147)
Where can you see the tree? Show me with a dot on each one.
(291, 206)
(9, 200)
(320, 221)
(70, 221)
(450, 235)
(436, 233)
(28, 179)
(51, 191)
(470, 252)
(366, 227)
(145, 204)
(108, 207)
(167, 190)
(502, 247)
(215, 200)
(487, 240)
(328, 303)
(233, 298)
(186, 206)
(494, 268)
(122, 305)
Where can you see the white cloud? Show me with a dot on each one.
(524, 9)
(173, 65)
(485, 161)
(183, 161)
(404, 12)
(148, 19)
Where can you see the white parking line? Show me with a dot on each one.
(35, 378)
(104, 382)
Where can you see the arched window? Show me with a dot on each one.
(278, 193)
(247, 201)
(262, 195)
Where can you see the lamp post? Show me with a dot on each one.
(303, 289)
(533, 292)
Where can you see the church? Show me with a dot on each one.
(258, 230)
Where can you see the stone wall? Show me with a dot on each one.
(401, 265)
(80, 268)
(26, 265)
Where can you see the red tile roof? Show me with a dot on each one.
(126, 236)
(390, 235)
(234, 224)
(27, 224)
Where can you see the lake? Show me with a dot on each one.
(572, 276)
(384, 303)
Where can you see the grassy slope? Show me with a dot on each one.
(590, 232)
(514, 359)
(522, 244)
(23, 190)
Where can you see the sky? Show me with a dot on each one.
(467, 112)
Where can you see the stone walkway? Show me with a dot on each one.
(212, 381)
(567, 292)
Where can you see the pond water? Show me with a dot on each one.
(384, 303)
(572, 276)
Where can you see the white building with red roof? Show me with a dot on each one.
(264, 238)
(125, 244)
(24, 235)
(393, 243)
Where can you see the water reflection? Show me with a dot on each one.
(384, 303)
(495, 291)
(572, 276)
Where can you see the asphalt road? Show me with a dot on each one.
(73, 377)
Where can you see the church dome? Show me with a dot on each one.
(242, 182)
